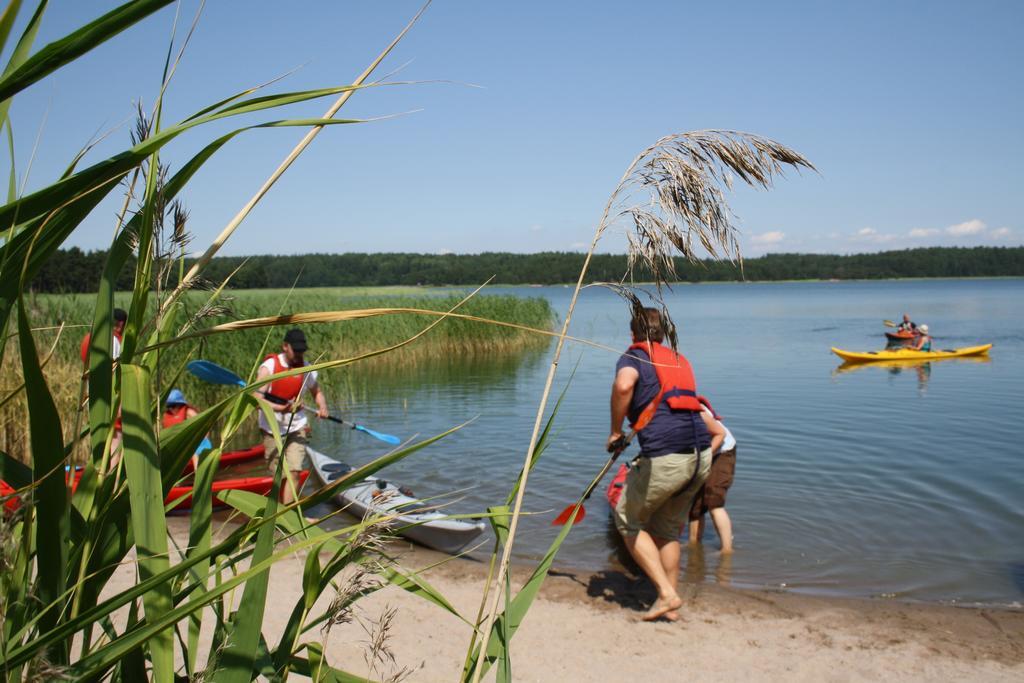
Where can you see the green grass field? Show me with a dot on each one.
(243, 351)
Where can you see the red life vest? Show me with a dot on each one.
(707, 404)
(287, 388)
(678, 387)
(175, 415)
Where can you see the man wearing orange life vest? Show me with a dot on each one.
(285, 398)
(654, 387)
(120, 320)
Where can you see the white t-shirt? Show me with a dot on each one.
(729, 442)
(286, 423)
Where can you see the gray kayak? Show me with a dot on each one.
(373, 496)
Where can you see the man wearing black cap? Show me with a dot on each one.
(286, 403)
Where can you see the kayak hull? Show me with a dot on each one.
(413, 520)
(900, 336)
(909, 354)
(615, 486)
(235, 457)
(181, 496)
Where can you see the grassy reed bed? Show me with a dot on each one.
(241, 351)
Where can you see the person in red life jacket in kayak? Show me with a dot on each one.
(924, 340)
(906, 325)
(285, 398)
(711, 497)
(176, 411)
(654, 386)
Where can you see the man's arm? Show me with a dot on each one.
(622, 393)
(321, 400)
(714, 429)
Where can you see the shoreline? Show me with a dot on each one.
(585, 624)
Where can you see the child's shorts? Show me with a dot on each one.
(712, 496)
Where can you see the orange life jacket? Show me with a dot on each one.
(287, 388)
(707, 404)
(678, 387)
(175, 415)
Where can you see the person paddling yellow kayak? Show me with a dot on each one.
(907, 354)
(924, 340)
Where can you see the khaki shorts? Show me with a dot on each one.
(295, 456)
(652, 500)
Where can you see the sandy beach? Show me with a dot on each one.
(585, 626)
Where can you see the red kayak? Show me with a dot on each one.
(12, 503)
(235, 457)
(261, 485)
(615, 486)
(183, 493)
(901, 336)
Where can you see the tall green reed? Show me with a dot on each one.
(60, 549)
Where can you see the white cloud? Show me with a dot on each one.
(536, 228)
(923, 232)
(971, 227)
(1000, 233)
(772, 237)
(872, 235)
(444, 252)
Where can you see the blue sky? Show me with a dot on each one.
(528, 113)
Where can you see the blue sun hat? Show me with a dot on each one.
(176, 398)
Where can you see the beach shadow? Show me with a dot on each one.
(627, 586)
(624, 584)
(628, 591)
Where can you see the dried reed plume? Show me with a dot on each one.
(378, 654)
(681, 178)
(362, 581)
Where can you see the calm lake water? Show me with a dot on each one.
(902, 483)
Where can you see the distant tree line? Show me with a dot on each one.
(74, 270)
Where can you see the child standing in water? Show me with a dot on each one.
(711, 497)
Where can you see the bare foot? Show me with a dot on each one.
(662, 606)
(672, 616)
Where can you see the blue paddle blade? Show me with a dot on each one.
(386, 438)
(204, 445)
(213, 373)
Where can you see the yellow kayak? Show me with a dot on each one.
(909, 354)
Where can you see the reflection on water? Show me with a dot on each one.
(473, 375)
(694, 557)
(696, 565)
(894, 368)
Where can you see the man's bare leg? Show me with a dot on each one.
(669, 550)
(723, 527)
(288, 487)
(648, 555)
